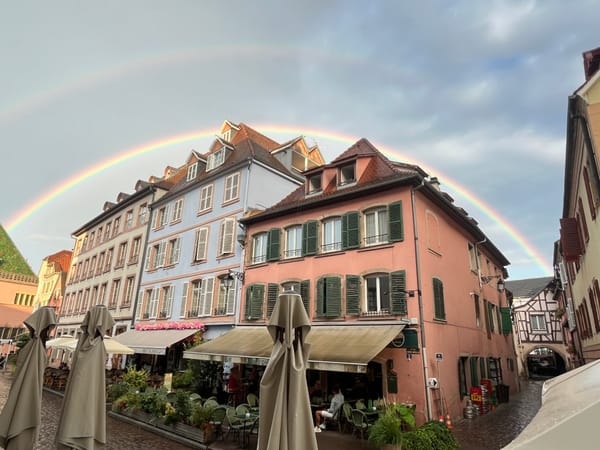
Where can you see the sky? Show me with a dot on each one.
(474, 92)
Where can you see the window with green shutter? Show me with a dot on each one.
(438, 299)
(352, 295)
(310, 238)
(491, 316)
(482, 367)
(273, 244)
(305, 294)
(272, 294)
(255, 295)
(506, 320)
(350, 230)
(329, 297)
(474, 375)
(398, 290)
(396, 222)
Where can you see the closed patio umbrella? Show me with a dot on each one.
(82, 423)
(285, 421)
(20, 418)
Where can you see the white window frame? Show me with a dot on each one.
(293, 241)
(129, 220)
(227, 231)
(206, 198)
(206, 296)
(129, 291)
(381, 288)
(315, 183)
(177, 210)
(346, 178)
(152, 307)
(192, 170)
(167, 301)
(377, 232)
(215, 159)
(143, 214)
(174, 250)
(259, 248)
(225, 304)
(184, 296)
(196, 291)
(332, 234)
(539, 324)
(231, 187)
(114, 293)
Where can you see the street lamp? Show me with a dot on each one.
(500, 285)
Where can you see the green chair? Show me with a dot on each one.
(232, 423)
(242, 408)
(345, 420)
(360, 404)
(218, 417)
(359, 423)
(252, 400)
(210, 403)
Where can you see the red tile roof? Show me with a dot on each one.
(62, 259)
(12, 316)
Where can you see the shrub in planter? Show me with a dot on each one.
(117, 390)
(137, 379)
(433, 434)
(183, 379)
(389, 428)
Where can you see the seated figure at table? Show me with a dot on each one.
(322, 415)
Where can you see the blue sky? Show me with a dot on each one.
(475, 91)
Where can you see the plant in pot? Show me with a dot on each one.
(202, 418)
(387, 431)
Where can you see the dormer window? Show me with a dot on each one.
(347, 174)
(227, 135)
(215, 159)
(192, 171)
(314, 184)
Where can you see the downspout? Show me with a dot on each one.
(420, 299)
(239, 291)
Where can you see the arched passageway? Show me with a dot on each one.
(545, 362)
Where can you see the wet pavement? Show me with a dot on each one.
(496, 429)
(488, 432)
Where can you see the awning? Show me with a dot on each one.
(336, 348)
(152, 342)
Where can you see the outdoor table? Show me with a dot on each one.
(247, 421)
(372, 414)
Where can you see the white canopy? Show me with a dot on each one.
(70, 343)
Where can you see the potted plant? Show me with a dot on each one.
(202, 418)
(387, 431)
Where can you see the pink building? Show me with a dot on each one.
(401, 285)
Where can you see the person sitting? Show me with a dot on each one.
(322, 415)
(315, 393)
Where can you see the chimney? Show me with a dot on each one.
(435, 183)
(591, 61)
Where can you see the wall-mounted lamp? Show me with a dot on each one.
(500, 285)
(228, 279)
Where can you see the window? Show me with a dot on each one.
(109, 255)
(310, 237)
(226, 300)
(492, 315)
(332, 234)
(174, 250)
(102, 294)
(376, 226)
(116, 226)
(329, 294)
(582, 220)
(129, 220)
(206, 296)
(121, 254)
(86, 299)
(226, 235)
(92, 239)
(537, 322)
(255, 296)
(152, 305)
(192, 171)
(293, 241)
(200, 248)
(99, 236)
(314, 184)
(462, 376)
(232, 183)
(135, 250)
(347, 174)
(94, 297)
(291, 286)
(377, 293)
(215, 159)
(167, 304)
(206, 197)
(438, 299)
(129, 289)
(177, 210)
(259, 248)
(107, 231)
(588, 190)
(227, 135)
(92, 267)
(184, 297)
(195, 306)
(100, 266)
(472, 258)
(161, 252)
(143, 214)
(114, 294)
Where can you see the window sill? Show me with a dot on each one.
(291, 260)
(376, 247)
(332, 253)
(440, 321)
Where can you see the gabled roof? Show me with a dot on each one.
(529, 287)
(11, 259)
(62, 260)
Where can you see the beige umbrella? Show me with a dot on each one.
(82, 423)
(59, 341)
(110, 345)
(20, 418)
(285, 416)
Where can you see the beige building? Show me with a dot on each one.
(107, 259)
(578, 260)
(52, 279)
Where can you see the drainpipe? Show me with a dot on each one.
(420, 299)
(239, 292)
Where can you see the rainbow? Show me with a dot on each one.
(135, 152)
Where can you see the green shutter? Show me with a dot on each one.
(438, 299)
(398, 291)
(482, 367)
(305, 294)
(333, 296)
(506, 321)
(352, 295)
(350, 230)
(272, 294)
(248, 302)
(474, 377)
(309, 238)
(320, 307)
(273, 244)
(257, 299)
(396, 222)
